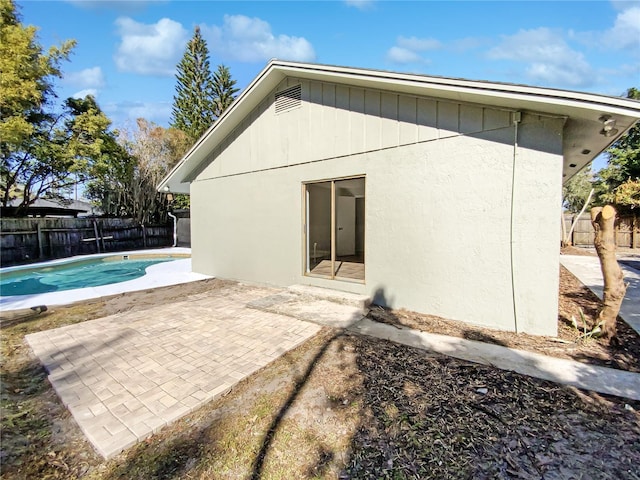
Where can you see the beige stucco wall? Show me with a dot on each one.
(439, 229)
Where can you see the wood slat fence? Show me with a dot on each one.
(25, 240)
(627, 230)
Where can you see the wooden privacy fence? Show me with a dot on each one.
(25, 240)
(627, 230)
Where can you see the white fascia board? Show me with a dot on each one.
(544, 100)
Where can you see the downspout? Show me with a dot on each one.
(517, 118)
(175, 228)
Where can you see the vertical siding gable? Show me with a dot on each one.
(470, 118)
(357, 116)
(448, 119)
(407, 119)
(335, 120)
(328, 121)
(372, 120)
(494, 119)
(343, 122)
(314, 117)
(427, 120)
(304, 121)
(253, 137)
(389, 125)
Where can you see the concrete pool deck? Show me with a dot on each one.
(160, 275)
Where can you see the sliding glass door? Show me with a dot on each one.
(334, 228)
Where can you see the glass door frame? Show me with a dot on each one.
(305, 228)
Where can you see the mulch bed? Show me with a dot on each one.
(574, 296)
(440, 418)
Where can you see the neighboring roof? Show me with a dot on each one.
(582, 140)
(53, 208)
(33, 211)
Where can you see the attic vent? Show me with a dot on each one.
(288, 99)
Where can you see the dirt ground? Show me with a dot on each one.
(343, 406)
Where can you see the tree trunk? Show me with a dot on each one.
(603, 219)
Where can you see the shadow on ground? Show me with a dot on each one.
(350, 406)
(344, 405)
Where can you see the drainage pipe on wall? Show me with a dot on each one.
(175, 228)
(517, 118)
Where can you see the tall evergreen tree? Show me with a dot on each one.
(224, 91)
(193, 104)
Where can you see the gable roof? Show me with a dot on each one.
(584, 112)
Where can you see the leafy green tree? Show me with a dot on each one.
(193, 105)
(627, 195)
(45, 149)
(32, 162)
(101, 161)
(576, 191)
(224, 91)
(623, 167)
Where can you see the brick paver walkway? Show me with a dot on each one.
(125, 376)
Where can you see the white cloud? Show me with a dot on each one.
(548, 57)
(87, 78)
(251, 40)
(359, 4)
(128, 111)
(623, 35)
(626, 30)
(153, 49)
(87, 91)
(622, 4)
(409, 49)
(418, 44)
(403, 55)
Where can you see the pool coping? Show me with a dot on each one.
(159, 275)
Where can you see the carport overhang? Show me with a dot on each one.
(592, 122)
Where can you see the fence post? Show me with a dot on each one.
(102, 236)
(40, 241)
(95, 232)
(634, 231)
(144, 236)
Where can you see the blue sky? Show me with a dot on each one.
(127, 50)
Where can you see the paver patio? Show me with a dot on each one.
(125, 376)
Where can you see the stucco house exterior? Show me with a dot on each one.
(434, 194)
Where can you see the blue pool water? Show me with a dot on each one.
(78, 274)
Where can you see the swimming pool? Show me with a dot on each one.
(93, 272)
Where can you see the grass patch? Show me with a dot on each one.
(31, 412)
